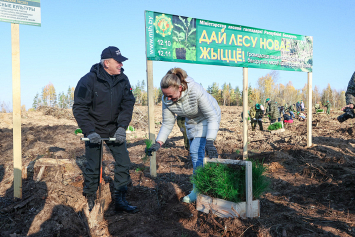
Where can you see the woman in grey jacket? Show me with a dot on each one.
(182, 96)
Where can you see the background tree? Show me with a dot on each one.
(316, 95)
(225, 94)
(35, 101)
(238, 96)
(266, 85)
(327, 95)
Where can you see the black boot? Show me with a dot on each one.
(91, 200)
(121, 203)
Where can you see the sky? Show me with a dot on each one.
(74, 33)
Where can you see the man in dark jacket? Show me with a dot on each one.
(350, 94)
(103, 107)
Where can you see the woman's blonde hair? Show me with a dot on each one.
(174, 77)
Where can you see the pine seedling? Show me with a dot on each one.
(275, 126)
(228, 181)
(148, 144)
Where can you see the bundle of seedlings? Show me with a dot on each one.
(319, 110)
(275, 126)
(228, 181)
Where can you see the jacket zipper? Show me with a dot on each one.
(111, 105)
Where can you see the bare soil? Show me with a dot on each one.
(311, 194)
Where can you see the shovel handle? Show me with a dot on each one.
(102, 139)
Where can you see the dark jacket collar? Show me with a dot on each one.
(103, 75)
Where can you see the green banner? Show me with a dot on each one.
(190, 40)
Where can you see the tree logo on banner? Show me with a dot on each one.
(163, 25)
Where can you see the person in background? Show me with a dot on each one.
(262, 108)
(282, 112)
(256, 114)
(328, 106)
(291, 110)
(272, 111)
(184, 97)
(298, 106)
(316, 107)
(302, 105)
(287, 118)
(181, 124)
(103, 107)
(301, 116)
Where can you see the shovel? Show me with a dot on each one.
(100, 199)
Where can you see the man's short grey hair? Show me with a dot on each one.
(103, 60)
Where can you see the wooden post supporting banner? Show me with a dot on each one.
(151, 124)
(16, 109)
(249, 188)
(309, 111)
(245, 113)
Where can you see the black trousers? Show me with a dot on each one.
(92, 169)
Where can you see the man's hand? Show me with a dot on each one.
(153, 148)
(211, 150)
(120, 135)
(94, 137)
(351, 106)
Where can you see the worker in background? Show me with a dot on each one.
(272, 110)
(328, 106)
(256, 114)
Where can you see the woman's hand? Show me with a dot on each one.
(211, 150)
(153, 148)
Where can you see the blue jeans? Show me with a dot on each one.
(197, 151)
(292, 114)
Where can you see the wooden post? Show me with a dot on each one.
(245, 113)
(249, 188)
(309, 111)
(16, 109)
(151, 124)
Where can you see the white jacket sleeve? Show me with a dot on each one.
(207, 107)
(167, 125)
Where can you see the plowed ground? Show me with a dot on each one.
(312, 189)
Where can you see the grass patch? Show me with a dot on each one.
(228, 181)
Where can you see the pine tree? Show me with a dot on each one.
(35, 102)
(70, 97)
(238, 96)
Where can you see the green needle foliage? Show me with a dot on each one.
(228, 181)
(275, 126)
(148, 144)
(319, 110)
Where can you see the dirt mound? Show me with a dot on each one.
(56, 112)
